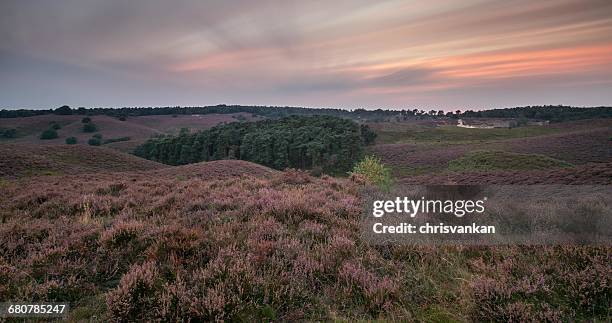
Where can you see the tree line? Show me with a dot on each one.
(328, 143)
(549, 112)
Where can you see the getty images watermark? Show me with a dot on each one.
(489, 215)
(411, 208)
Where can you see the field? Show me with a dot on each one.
(123, 238)
(562, 145)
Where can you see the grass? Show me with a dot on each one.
(448, 134)
(497, 160)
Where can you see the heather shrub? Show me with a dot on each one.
(136, 298)
(283, 246)
(374, 171)
(542, 284)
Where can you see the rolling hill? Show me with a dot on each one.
(27, 160)
(138, 129)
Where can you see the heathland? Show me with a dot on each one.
(123, 238)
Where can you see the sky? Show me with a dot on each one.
(441, 54)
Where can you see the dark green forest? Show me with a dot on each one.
(550, 113)
(328, 143)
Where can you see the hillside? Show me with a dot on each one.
(138, 129)
(19, 160)
(422, 151)
(125, 239)
(217, 169)
(285, 246)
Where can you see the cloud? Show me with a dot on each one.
(307, 52)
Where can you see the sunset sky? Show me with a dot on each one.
(464, 54)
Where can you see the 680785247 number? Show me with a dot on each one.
(25, 309)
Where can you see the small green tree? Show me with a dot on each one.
(63, 110)
(97, 136)
(374, 172)
(48, 134)
(71, 140)
(9, 133)
(90, 127)
(86, 120)
(56, 126)
(94, 142)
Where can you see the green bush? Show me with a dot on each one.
(90, 127)
(63, 110)
(71, 140)
(56, 126)
(94, 142)
(86, 120)
(374, 172)
(8, 133)
(97, 136)
(48, 134)
(111, 140)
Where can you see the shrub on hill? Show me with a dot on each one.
(56, 126)
(90, 127)
(48, 134)
(63, 110)
(71, 140)
(111, 140)
(93, 141)
(8, 133)
(86, 120)
(331, 143)
(97, 136)
(374, 172)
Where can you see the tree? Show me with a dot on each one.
(367, 135)
(71, 140)
(94, 141)
(331, 143)
(9, 133)
(48, 134)
(63, 110)
(374, 172)
(86, 120)
(90, 127)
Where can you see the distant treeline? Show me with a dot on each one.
(328, 143)
(551, 113)
(264, 111)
